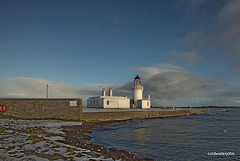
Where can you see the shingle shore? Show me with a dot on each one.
(77, 136)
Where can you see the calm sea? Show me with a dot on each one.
(202, 137)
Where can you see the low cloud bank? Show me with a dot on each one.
(172, 86)
(168, 85)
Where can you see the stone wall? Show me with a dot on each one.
(67, 109)
(71, 109)
(109, 116)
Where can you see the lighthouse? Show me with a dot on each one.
(138, 101)
(137, 91)
(107, 100)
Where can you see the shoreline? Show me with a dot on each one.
(67, 139)
(78, 136)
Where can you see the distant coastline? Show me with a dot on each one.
(221, 107)
(189, 107)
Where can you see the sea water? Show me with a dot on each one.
(213, 136)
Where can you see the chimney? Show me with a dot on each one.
(103, 92)
(110, 91)
(149, 97)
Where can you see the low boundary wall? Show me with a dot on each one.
(36, 108)
(71, 109)
(128, 115)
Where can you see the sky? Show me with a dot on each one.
(186, 52)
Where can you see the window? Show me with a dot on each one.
(147, 103)
(139, 104)
(137, 82)
(107, 102)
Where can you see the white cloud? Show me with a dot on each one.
(230, 11)
(168, 85)
(16, 95)
(24, 87)
(175, 87)
(168, 66)
(221, 35)
(187, 58)
(106, 86)
(148, 72)
(34, 87)
(228, 31)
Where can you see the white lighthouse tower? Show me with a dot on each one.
(138, 101)
(137, 91)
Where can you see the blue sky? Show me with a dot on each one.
(80, 46)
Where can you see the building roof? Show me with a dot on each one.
(137, 77)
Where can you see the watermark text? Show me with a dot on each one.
(221, 153)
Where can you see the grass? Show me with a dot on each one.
(33, 130)
(2, 130)
(17, 118)
(36, 130)
(55, 156)
(70, 151)
(56, 146)
(8, 117)
(79, 155)
(35, 138)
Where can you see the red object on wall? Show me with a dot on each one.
(2, 109)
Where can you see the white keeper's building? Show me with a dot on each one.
(110, 101)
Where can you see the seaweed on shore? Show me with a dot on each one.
(77, 136)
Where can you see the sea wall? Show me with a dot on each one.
(109, 116)
(67, 109)
(71, 109)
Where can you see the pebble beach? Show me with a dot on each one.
(44, 140)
